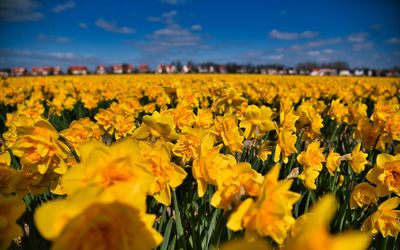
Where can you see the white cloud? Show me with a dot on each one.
(275, 57)
(173, 2)
(20, 10)
(58, 39)
(328, 51)
(315, 44)
(83, 25)
(46, 56)
(359, 37)
(394, 40)
(363, 46)
(196, 27)
(172, 36)
(113, 27)
(282, 35)
(314, 53)
(64, 7)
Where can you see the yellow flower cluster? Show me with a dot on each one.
(261, 149)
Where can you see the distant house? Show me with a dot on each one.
(45, 71)
(222, 69)
(127, 68)
(57, 70)
(101, 70)
(117, 69)
(323, 72)
(160, 69)
(5, 72)
(345, 72)
(144, 68)
(78, 70)
(19, 71)
(41, 71)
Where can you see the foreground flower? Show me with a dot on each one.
(157, 160)
(271, 214)
(363, 195)
(312, 233)
(386, 174)
(210, 164)
(10, 210)
(315, 231)
(385, 220)
(91, 219)
(108, 167)
(233, 183)
(38, 146)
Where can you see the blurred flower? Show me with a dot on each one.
(314, 234)
(91, 219)
(11, 208)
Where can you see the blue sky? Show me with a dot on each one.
(65, 32)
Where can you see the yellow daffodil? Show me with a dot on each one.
(333, 162)
(358, 159)
(257, 121)
(158, 126)
(157, 160)
(363, 195)
(285, 145)
(385, 220)
(11, 208)
(385, 175)
(271, 214)
(92, 219)
(112, 167)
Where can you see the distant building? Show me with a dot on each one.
(127, 68)
(41, 71)
(19, 71)
(78, 70)
(5, 72)
(323, 72)
(117, 69)
(57, 70)
(345, 72)
(166, 68)
(222, 69)
(45, 71)
(144, 68)
(101, 70)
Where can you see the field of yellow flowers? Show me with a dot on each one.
(199, 162)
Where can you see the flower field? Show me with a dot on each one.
(199, 162)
